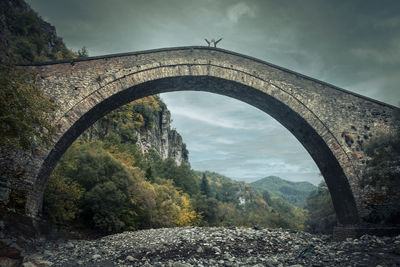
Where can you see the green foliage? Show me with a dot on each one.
(321, 216)
(144, 111)
(225, 209)
(116, 196)
(61, 204)
(82, 53)
(26, 37)
(294, 192)
(124, 189)
(208, 209)
(150, 175)
(93, 166)
(122, 123)
(103, 202)
(23, 110)
(172, 208)
(184, 178)
(266, 197)
(205, 187)
(381, 178)
(226, 214)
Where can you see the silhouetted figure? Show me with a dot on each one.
(213, 42)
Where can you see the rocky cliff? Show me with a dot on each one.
(150, 125)
(166, 141)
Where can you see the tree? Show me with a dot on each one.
(103, 202)
(82, 53)
(150, 174)
(205, 187)
(115, 197)
(266, 196)
(229, 215)
(173, 208)
(208, 209)
(184, 178)
(61, 201)
(321, 214)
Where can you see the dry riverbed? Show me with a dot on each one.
(215, 246)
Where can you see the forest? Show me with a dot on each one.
(108, 184)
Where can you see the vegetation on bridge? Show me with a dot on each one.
(23, 109)
(381, 178)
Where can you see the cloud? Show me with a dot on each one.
(237, 11)
(205, 118)
(380, 55)
(217, 110)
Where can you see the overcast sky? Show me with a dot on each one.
(351, 44)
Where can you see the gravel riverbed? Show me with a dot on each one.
(216, 246)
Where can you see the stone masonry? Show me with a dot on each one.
(331, 123)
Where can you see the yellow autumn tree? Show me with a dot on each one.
(172, 208)
(187, 215)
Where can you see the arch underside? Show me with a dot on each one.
(333, 173)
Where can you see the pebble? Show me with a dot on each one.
(217, 249)
(215, 246)
(28, 264)
(130, 258)
(96, 256)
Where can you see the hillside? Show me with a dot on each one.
(294, 192)
(25, 37)
(237, 203)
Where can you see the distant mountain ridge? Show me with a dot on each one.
(294, 192)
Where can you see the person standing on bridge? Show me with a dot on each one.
(213, 42)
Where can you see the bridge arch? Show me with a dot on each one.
(88, 89)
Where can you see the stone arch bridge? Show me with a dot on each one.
(331, 123)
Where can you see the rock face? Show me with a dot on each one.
(166, 141)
